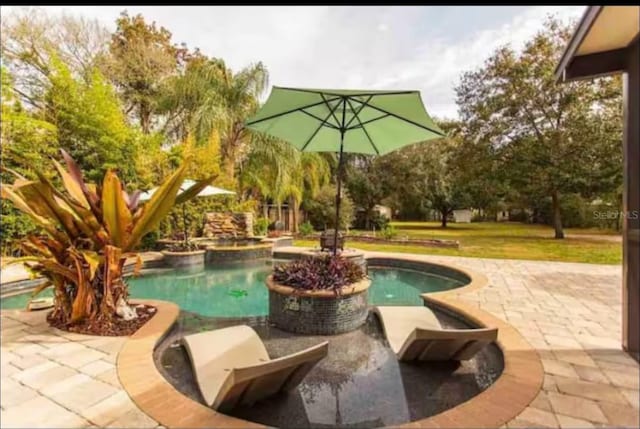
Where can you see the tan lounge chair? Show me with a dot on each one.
(232, 366)
(414, 333)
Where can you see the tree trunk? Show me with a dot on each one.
(279, 211)
(557, 216)
(145, 118)
(265, 210)
(293, 206)
(444, 213)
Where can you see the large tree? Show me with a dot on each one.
(141, 58)
(31, 37)
(553, 139)
(365, 182)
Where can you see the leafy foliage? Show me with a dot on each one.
(306, 229)
(260, 226)
(90, 123)
(552, 140)
(89, 232)
(389, 232)
(321, 210)
(319, 273)
(141, 58)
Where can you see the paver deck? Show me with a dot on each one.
(571, 314)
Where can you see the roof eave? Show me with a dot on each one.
(586, 22)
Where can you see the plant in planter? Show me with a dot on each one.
(90, 230)
(323, 272)
(183, 246)
(322, 295)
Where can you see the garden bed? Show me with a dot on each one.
(109, 328)
(451, 244)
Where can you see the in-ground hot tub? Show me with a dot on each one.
(224, 251)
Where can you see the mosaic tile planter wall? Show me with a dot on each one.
(319, 312)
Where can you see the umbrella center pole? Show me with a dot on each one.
(185, 226)
(339, 184)
(338, 195)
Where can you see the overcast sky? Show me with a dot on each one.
(422, 47)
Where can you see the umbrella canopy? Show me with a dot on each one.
(339, 120)
(206, 192)
(356, 121)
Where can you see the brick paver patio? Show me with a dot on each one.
(571, 313)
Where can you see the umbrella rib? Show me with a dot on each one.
(318, 129)
(363, 128)
(320, 119)
(368, 122)
(290, 111)
(329, 107)
(358, 112)
(345, 95)
(401, 118)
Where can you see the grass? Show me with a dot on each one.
(505, 240)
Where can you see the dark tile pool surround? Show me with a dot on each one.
(333, 393)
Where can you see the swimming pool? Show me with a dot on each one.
(239, 291)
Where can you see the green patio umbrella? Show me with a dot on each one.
(340, 120)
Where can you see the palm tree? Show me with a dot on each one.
(209, 96)
(275, 170)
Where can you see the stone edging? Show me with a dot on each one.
(346, 290)
(239, 248)
(508, 396)
(148, 388)
(183, 253)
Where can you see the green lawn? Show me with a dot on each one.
(506, 240)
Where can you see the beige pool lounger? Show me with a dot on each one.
(414, 333)
(232, 366)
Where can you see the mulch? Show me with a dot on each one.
(115, 327)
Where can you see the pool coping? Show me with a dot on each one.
(508, 396)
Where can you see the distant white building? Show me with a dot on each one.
(462, 216)
(383, 210)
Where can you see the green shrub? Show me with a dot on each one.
(305, 228)
(260, 226)
(14, 226)
(389, 232)
(148, 242)
(379, 221)
(321, 210)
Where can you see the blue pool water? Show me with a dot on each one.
(240, 291)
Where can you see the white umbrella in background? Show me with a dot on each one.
(206, 192)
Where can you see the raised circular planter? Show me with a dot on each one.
(318, 312)
(183, 259)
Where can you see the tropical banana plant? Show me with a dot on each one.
(89, 232)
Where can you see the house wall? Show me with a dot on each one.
(631, 202)
(462, 216)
